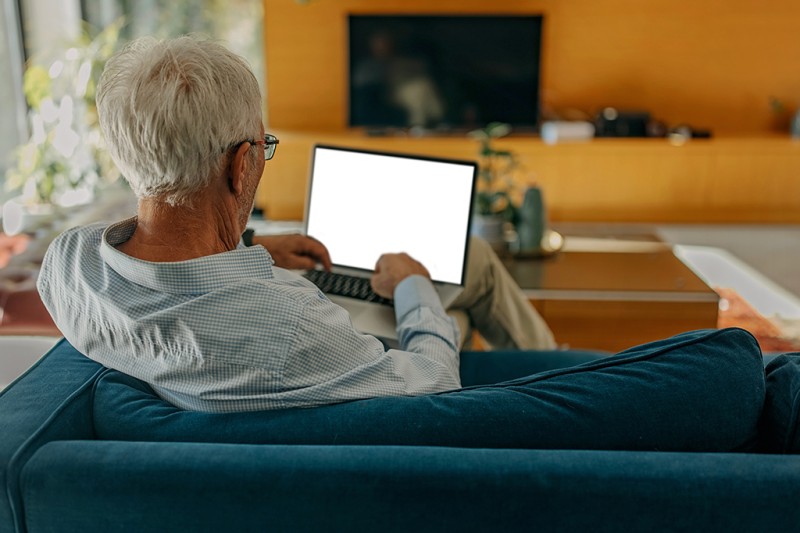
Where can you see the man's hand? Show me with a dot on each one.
(391, 269)
(295, 251)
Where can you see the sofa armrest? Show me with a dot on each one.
(51, 401)
(145, 487)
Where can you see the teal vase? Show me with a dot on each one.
(532, 222)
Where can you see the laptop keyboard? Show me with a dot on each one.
(345, 285)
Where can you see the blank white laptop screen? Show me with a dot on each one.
(364, 204)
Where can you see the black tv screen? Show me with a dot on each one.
(444, 72)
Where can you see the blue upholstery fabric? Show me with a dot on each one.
(699, 391)
(780, 423)
(83, 487)
(489, 368)
(57, 478)
(57, 405)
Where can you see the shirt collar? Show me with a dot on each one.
(195, 276)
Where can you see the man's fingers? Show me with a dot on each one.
(304, 262)
(318, 251)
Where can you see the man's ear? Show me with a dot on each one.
(237, 168)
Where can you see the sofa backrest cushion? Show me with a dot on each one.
(697, 391)
(780, 423)
(51, 401)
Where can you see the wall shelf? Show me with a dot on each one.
(726, 179)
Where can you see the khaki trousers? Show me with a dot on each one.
(494, 305)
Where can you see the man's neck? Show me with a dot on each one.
(166, 233)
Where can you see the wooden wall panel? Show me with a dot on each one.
(612, 180)
(709, 63)
(706, 62)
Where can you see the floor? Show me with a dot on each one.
(766, 276)
(772, 250)
(26, 350)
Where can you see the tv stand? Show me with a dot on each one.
(391, 131)
(416, 131)
(378, 132)
(440, 132)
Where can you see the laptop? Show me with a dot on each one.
(362, 204)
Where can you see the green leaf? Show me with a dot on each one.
(498, 129)
(487, 151)
(478, 135)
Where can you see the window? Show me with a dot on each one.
(13, 124)
(53, 36)
(238, 23)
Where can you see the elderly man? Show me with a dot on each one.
(173, 297)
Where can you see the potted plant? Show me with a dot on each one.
(495, 209)
(64, 158)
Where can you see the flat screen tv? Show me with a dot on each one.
(444, 72)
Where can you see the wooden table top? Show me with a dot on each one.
(656, 273)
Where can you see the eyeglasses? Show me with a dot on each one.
(270, 143)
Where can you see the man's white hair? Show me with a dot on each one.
(172, 109)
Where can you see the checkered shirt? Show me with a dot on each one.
(231, 332)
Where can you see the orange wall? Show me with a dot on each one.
(710, 63)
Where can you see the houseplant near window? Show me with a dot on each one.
(65, 158)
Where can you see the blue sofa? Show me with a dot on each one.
(681, 435)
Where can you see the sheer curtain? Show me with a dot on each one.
(13, 122)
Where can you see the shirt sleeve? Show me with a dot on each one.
(331, 359)
(423, 326)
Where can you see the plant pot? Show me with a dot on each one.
(490, 228)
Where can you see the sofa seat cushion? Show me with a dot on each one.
(780, 423)
(697, 391)
(145, 487)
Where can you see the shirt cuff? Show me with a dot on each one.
(414, 292)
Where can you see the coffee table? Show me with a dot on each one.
(611, 294)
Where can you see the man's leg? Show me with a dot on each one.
(496, 306)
